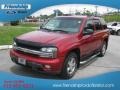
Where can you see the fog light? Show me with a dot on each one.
(47, 66)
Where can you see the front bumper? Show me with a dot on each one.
(38, 63)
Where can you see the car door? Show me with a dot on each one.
(87, 41)
(98, 34)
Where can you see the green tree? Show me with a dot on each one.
(57, 12)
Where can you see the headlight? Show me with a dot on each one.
(50, 52)
(49, 49)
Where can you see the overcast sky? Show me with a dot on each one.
(67, 8)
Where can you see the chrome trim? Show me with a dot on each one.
(41, 54)
(89, 59)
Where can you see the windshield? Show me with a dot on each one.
(70, 25)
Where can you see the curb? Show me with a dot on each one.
(3, 47)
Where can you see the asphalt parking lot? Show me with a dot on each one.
(109, 63)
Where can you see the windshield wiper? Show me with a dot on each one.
(55, 30)
(60, 31)
(46, 29)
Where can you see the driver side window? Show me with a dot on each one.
(89, 25)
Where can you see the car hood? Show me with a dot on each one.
(44, 37)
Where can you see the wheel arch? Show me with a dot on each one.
(118, 31)
(106, 40)
(76, 51)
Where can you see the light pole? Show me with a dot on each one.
(96, 9)
(107, 14)
(118, 14)
(84, 10)
(56, 14)
(70, 12)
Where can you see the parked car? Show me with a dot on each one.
(62, 44)
(114, 28)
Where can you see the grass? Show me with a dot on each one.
(7, 33)
(111, 18)
(29, 25)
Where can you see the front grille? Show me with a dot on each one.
(28, 44)
(32, 48)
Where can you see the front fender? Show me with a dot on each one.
(64, 50)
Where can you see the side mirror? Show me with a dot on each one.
(87, 31)
(42, 24)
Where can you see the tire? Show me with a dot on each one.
(70, 66)
(103, 49)
(118, 32)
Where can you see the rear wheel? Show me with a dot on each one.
(70, 66)
(118, 32)
(103, 49)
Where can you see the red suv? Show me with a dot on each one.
(62, 44)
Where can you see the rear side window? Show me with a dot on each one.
(103, 23)
(114, 24)
(97, 24)
(89, 24)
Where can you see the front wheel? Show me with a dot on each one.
(103, 49)
(118, 32)
(70, 66)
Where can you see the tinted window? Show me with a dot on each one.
(114, 24)
(89, 25)
(97, 24)
(103, 23)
